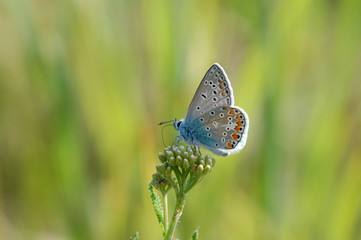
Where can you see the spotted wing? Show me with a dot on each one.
(222, 130)
(214, 91)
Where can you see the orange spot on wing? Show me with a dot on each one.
(224, 94)
(231, 112)
(237, 128)
(227, 148)
(221, 86)
(238, 117)
(235, 136)
(219, 80)
(224, 108)
(229, 144)
(239, 123)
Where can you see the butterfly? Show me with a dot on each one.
(212, 121)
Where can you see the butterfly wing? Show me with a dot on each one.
(222, 130)
(214, 91)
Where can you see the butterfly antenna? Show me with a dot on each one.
(163, 130)
(161, 123)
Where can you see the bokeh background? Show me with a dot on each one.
(84, 83)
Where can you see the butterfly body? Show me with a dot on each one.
(211, 120)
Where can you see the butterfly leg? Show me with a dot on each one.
(174, 141)
(196, 149)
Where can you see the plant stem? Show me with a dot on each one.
(165, 200)
(181, 200)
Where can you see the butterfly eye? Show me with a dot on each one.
(178, 124)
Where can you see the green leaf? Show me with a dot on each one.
(158, 207)
(195, 235)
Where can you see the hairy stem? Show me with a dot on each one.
(165, 200)
(176, 215)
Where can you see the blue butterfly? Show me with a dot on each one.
(211, 120)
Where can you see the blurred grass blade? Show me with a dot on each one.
(135, 236)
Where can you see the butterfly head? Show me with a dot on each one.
(177, 123)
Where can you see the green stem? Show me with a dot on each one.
(165, 200)
(181, 200)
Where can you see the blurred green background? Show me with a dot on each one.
(84, 83)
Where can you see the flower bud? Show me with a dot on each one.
(199, 170)
(207, 169)
(178, 152)
(201, 162)
(181, 148)
(192, 159)
(159, 182)
(185, 155)
(161, 157)
(172, 161)
(185, 164)
(179, 161)
(159, 169)
(169, 154)
(194, 168)
(209, 161)
(168, 172)
(189, 149)
(213, 162)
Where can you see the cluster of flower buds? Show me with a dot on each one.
(185, 161)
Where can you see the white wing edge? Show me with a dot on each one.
(240, 145)
(227, 80)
